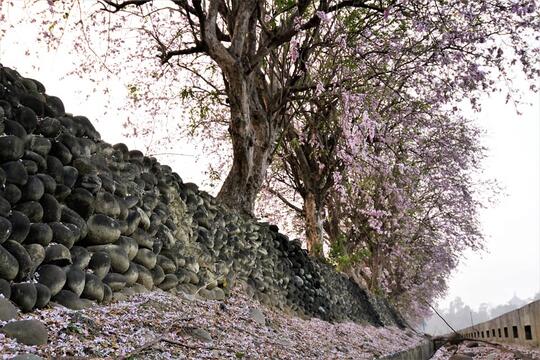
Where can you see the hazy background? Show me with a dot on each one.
(511, 265)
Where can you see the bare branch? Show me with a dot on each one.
(119, 6)
(165, 56)
(285, 201)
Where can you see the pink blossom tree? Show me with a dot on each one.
(396, 194)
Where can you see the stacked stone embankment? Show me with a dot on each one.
(83, 222)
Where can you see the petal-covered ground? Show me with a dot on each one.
(483, 350)
(160, 325)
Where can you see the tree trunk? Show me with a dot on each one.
(253, 135)
(331, 223)
(375, 269)
(313, 226)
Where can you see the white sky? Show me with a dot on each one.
(512, 227)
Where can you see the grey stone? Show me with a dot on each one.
(146, 258)
(297, 280)
(16, 173)
(11, 193)
(143, 239)
(43, 295)
(102, 229)
(62, 192)
(145, 277)
(52, 210)
(49, 127)
(5, 207)
(70, 176)
(38, 144)
(14, 128)
(5, 289)
(33, 190)
(52, 277)
(70, 216)
(20, 226)
(5, 228)
(27, 332)
(129, 245)
(81, 256)
(11, 148)
(133, 219)
(36, 253)
(48, 182)
(139, 288)
(201, 334)
(115, 281)
(119, 258)
(57, 254)
(93, 288)
(75, 279)
(81, 201)
(9, 267)
(8, 311)
(100, 264)
(257, 316)
(169, 282)
(39, 234)
(61, 152)
(189, 289)
(218, 294)
(30, 166)
(70, 300)
(107, 294)
(157, 275)
(32, 209)
(24, 295)
(166, 264)
(24, 260)
(64, 234)
(41, 163)
(131, 274)
(107, 204)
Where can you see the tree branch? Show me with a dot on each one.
(285, 201)
(165, 56)
(215, 48)
(119, 6)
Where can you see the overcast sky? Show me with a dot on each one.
(511, 264)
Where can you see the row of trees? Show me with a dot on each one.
(348, 112)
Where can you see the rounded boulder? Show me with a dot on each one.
(24, 295)
(102, 229)
(53, 277)
(9, 266)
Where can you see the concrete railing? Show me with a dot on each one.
(423, 351)
(521, 326)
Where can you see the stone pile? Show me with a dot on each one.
(83, 221)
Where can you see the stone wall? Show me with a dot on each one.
(83, 221)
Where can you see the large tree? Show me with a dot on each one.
(254, 57)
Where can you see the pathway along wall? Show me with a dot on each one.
(84, 221)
